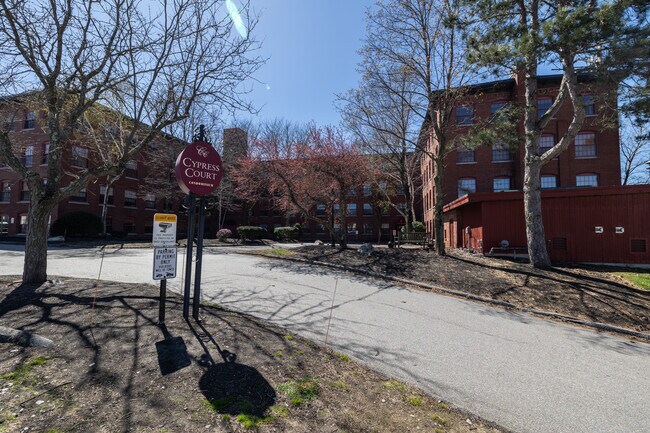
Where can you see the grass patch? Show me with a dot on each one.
(5, 420)
(414, 400)
(288, 337)
(343, 357)
(443, 405)
(55, 430)
(438, 419)
(279, 411)
(227, 406)
(277, 252)
(639, 279)
(278, 354)
(252, 421)
(300, 391)
(393, 384)
(339, 384)
(22, 372)
(438, 430)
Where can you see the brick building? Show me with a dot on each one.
(591, 160)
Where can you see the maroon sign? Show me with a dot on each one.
(199, 169)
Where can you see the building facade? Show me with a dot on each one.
(593, 159)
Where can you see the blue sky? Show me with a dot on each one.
(312, 50)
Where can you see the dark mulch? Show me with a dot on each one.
(586, 293)
(113, 369)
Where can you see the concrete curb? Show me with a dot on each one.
(596, 325)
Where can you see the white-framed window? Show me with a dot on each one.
(4, 224)
(465, 156)
(590, 106)
(367, 229)
(501, 184)
(501, 152)
(382, 186)
(367, 209)
(150, 201)
(548, 181)
(587, 179)
(131, 169)
(28, 159)
(496, 106)
(79, 157)
(367, 189)
(546, 142)
(352, 228)
(24, 192)
(30, 120)
(466, 185)
(465, 115)
(5, 191)
(586, 145)
(352, 209)
(385, 228)
(336, 208)
(320, 209)
(46, 153)
(352, 191)
(543, 104)
(129, 198)
(79, 196)
(102, 192)
(22, 227)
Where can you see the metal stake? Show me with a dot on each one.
(199, 260)
(188, 257)
(163, 298)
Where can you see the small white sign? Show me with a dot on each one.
(164, 263)
(164, 230)
(619, 230)
(599, 229)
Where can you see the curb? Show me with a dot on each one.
(596, 325)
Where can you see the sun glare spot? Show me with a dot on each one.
(236, 19)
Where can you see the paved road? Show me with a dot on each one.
(525, 373)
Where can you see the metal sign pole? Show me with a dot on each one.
(199, 260)
(163, 298)
(188, 257)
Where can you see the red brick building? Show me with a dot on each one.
(591, 160)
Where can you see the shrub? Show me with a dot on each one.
(287, 233)
(80, 224)
(247, 233)
(224, 234)
(417, 226)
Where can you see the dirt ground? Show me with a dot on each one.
(113, 369)
(586, 293)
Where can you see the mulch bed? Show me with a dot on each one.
(113, 369)
(589, 294)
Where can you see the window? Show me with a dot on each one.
(546, 142)
(501, 152)
(495, 107)
(501, 184)
(320, 209)
(79, 196)
(46, 153)
(590, 107)
(129, 198)
(548, 181)
(367, 229)
(129, 226)
(22, 227)
(586, 145)
(150, 201)
(352, 209)
(320, 228)
(336, 208)
(5, 191)
(28, 158)
(352, 228)
(465, 156)
(587, 180)
(30, 120)
(352, 191)
(385, 229)
(79, 157)
(131, 169)
(466, 186)
(4, 224)
(367, 189)
(10, 124)
(401, 207)
(102, 192)
(543, 104)
(464, 116)
(382, 186)
(24, 193)
(367, 209)
(400, 189)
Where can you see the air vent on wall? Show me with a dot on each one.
(638, 246)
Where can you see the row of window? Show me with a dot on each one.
(465, 115)
(29, 122)
(351, 209)
(467, 185)
(585, 147)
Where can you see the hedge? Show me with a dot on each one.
(248, 233)
(287, 233)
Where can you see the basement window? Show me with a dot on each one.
(638, 246)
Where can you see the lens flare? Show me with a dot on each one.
(236, 19)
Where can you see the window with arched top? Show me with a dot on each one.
(501, 184)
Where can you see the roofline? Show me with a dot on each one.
(547, 193)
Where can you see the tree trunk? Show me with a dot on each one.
(533, 213)
(438, 223)
(35, 270)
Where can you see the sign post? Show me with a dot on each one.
(164, 255)
(198, 172)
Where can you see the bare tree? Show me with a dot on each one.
(149, 62)
(635, 153)
(419, 41)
